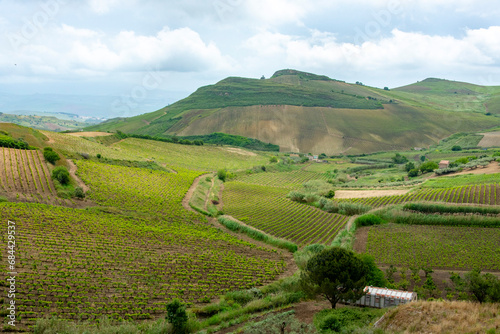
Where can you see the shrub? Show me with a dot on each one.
(368, 220)
(413, 173)
(428, 166)
(61, 174)
(273, 159)
(351, 209)
(79, 193)
(296, 196)
(99, 156)
(330, 194)
(50, 155)
(222, 175)
(177, 316)
(322, 202)
(456, 148)
(311, 198)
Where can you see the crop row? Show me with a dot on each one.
(25, 174)
(268, 209)
(488, 194)
(289, 180)
(88, 262)
(435, 246)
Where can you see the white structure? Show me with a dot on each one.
(383, 297)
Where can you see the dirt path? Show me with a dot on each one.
(189, 194)
(90, 134)
(208, 195)
(72, 172)
(368, 193)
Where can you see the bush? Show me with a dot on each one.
(50, 155)
(273, 159)
(351, 209)
(222, 175)
(296, 196)
(413, 173)
(311, 198)
(61, 174)
(177, 316)
(79, 193)
(330, 194)
(369, 220)
(456, 148)
(428, 166)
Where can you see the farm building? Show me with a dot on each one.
(383, 297)
(444, 164)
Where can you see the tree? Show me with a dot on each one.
(409, 166)
(485, 287)
(422, 158)
(50, 155)
(61, 174)
(177, 316)
(386, 88)
(336, 274)
(456, 148)
(413, 172)
(399, 159)
(79, 193)
(273, 159)
(222, 174)
(428, 166)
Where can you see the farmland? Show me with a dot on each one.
(268, 209)
(440, 247)
(24, 176)
(82, 264)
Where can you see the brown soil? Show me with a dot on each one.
(361, 239)
(368, 193)
(490, 139)
(239, 151)
(72, 172)
(90, 134)
(189, 194)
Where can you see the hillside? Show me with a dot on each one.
(304, 112)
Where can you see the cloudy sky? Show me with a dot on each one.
(156, 49)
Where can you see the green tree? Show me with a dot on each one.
(177, 316)
(79, 193)
(422, 158)
(336, 274)
(273, 159)
(61, 174)
(456, 148)
(399, 159)
(484, 288)
(413, 172)
(428, 166)
(50, 155)
(222, 175)
(409, 166)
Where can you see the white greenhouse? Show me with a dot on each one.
(383, 297)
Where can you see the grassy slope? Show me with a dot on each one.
(309, 113)
(43, 122)
(31, 136)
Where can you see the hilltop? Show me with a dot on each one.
(305, 112)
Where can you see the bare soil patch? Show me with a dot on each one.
(72, 172)
(368, 193)
(90, 134)
(239, 151)
(490, 139)
(189, 194)
(360, 240)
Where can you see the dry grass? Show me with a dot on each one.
(443, 317)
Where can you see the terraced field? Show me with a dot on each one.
(24, 176)
(268, 209)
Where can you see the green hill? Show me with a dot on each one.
(305, 112)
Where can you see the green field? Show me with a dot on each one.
(435, 246)
(268, 209)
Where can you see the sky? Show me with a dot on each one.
(135, 52)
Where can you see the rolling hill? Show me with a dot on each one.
(304, 112)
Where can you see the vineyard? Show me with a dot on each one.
(24, 176)
(289, 180)
(268, 209)
(435, 246)
(82, 264)
(488, 194)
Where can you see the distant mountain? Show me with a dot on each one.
(305, 112)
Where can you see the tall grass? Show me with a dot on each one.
(402, 217)
(439, 208)
(258, 235)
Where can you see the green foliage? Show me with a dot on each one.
(428, 166)
(375, 276)
(336, 274)
(273, 159)
(456, 148)
(258, 235)
(346, 320)
(484, 287)
(399, 159)
(409, 166)
(7, 141)
(79, 193)
(368, 220)
(439, 208)
(50, 155)
(218, 138)
(426, 219)
(61, 174)
(304, 255)
(278, 323)
(177, 316)
(330, 194)
(222, 175)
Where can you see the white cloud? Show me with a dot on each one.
(102, 6)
